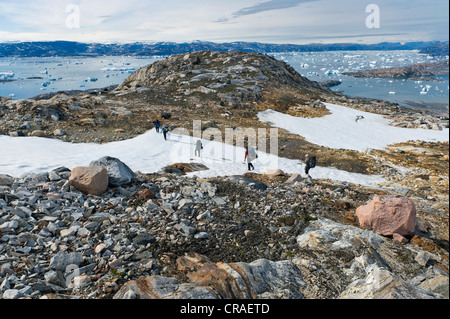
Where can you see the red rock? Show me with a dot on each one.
(400, 239)
(90, 180)
(389, 215)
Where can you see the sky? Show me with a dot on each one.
(268, 21)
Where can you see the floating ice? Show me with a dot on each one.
(118, 69)
(6, 76)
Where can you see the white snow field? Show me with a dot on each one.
(149, 153)
(340, 130)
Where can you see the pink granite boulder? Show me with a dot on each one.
(389, 215)
(90, 180)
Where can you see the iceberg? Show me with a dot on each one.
(6, 76)
(118, 69)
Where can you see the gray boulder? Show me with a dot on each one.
(119, 173)
(257, 185)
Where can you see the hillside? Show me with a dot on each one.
(176, 226)
(235, 79)
(440, 49)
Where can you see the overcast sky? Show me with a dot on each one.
(270, 21)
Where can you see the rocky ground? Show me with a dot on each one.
(143, 229)
(232, 227)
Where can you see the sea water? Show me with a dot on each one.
(27, 77)
(35, 76)
(324, 66)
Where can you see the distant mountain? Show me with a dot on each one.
(65, 48)
(438, 49)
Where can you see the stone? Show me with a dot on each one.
(209, 188)
(118, 172)
(382, 284)
(271, 173)
(422, 258)
(90, 180)
(201, 235)
(159, 287)
(400, 239)
(58, 132)
(80, 281)
(389, 215)
(100, 248)
(438, 285)
(145, 195)
(254, 184)
(262, 279)
(435, 179)
(67, 232)
(63, 259)
(296, 178)
(55, 278)
(12, 294)
(6, 180)
(38, 133)
(143, 239)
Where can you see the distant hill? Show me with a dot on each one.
(438, 49)
(65, 48)
(424, 71)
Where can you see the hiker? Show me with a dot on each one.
(359, 118)
(165, 130)
(157, 125)
(311, 162)
(198, 148)
(250, 156)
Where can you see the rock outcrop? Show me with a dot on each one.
(389, 215)
(262, 279)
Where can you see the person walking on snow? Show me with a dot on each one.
(198, 148)
(165, 130)
(311, 162)
(250, 156)
(157, 125)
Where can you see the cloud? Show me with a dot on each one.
(278, 21)
(269, 6)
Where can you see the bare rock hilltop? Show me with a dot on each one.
(228, 79)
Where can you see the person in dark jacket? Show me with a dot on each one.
(157, 124)
(198, 148)
(311, 162)
(165, 130)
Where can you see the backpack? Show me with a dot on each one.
(312, 162)
(252, 154)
